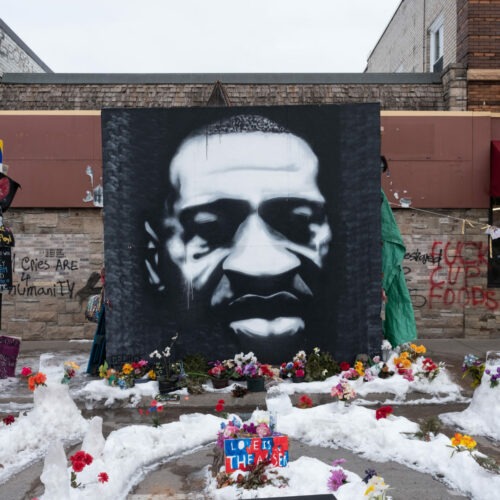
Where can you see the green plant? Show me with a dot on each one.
(320, 365)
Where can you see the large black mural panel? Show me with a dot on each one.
(250, 228)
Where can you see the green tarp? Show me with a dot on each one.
(399, 324)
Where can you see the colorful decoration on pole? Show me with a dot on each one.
(9, 346)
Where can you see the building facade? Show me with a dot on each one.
(436, 135)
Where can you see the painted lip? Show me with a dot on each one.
(276, 305)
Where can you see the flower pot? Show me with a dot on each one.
(220, 383)
(255, 384)
(166, 385)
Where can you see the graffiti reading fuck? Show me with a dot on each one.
(452, 280)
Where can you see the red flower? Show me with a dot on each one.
(159, 408)
(220, 405)
(103, 477)
(383, 412)
(26, 371)
(344, 366)
(305, 402)
(80, 457)
(9, 419)
(78, 466)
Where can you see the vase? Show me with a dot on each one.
(220, 383)
(166, 385)
(255, 384)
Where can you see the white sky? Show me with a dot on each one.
(200, 36)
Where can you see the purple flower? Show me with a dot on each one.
(369, 474)
(336, 480)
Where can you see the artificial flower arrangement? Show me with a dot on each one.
(79, 461)
(126, 376)
(474, 368)
(295, 368)
(376, 486)
(247, 366)
(430, 370)
(222, 369)
(463, 442)
(70, 369)
(343, 391)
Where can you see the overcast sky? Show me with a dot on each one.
(200, 36)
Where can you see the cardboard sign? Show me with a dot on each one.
(241, 453)
(9, 350)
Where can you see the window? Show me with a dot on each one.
(436, 46)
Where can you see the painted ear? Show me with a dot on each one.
(151, 259)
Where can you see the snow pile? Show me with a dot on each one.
(356, 428)
(482, 417)
(53, 417)
(126, 454)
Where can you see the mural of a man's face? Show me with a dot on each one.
(248, 229)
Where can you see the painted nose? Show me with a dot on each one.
(257, 252)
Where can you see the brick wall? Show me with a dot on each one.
(83, 97)
(57, 250)
(55, 254)
(446, 274)
(478, 43)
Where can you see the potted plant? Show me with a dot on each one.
(295, 369)
(168, 380)
(221, 372)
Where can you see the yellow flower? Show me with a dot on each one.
(72, 365)
(127, 369)
(419, 349)
(369, 490)
(468, 442)
(359, 368)
(403, 361)
(152, 374)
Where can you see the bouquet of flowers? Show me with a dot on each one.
(473, 367)
(222, 369)
(494, 375)
(343, 391)
(430, 370)
(248, 366)
(295, 368)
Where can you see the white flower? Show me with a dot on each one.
(316, 350)
(155, 354)
(324, 372)
(166, 352)
(386, 345)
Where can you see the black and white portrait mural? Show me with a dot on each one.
(242, 229)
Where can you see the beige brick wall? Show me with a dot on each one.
(56, 251)
(446, 273)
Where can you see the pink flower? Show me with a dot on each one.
(26, 371)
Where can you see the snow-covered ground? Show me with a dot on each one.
(128, 452)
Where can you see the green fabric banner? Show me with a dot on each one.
(399, 323)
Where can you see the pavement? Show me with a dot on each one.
(181, 477)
